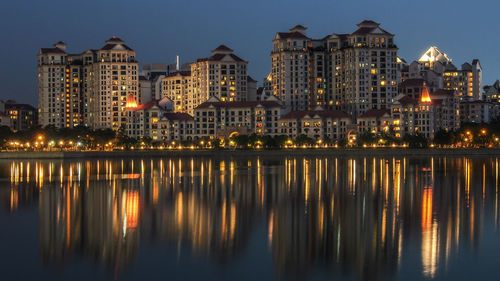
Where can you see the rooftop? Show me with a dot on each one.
(375, 113)
(239, 104)
(311, 113)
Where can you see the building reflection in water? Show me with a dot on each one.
(354, 215)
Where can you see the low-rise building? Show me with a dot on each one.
(477, 111)
(375, 121)
(317, 124)
(411, 116)
(177, 126)
(426, 114)
(215, 118)
(492, 92)
(144, 120)
(22, 116)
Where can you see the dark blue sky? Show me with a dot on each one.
(160, 30)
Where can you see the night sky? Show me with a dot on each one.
(160, 30)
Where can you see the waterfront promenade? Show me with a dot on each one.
(458, 152)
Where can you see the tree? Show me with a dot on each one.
(304, 140)
(416, 140)
(442, 138)
(367, 138)
(5, 132)
(241, 141)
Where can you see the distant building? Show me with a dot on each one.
(178, 87)
(478, 111)
(412, 87)
(86, 89)
(375, 121)
(437, 69)
(156, 120)
(425, 114)
(217, 119)
(145, 90)
(318, 124)
(466, 81)
(4, 118)
(22, 116)
(320, 72)
(222, 75)
(492, 92)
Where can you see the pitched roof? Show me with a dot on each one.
(363, 30)
(413, 82)
(322, 113)
(146, 105)
(239, 104)
(407, 100)
(20, 106)
(177, 116)
(366, 22)
(293, 35)
(250, 79)
(223, 48)
(298, 26)
(54, 50)
(219, 57)
(375, 113)
(112, 46)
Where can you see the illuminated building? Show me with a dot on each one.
(178, 87)
(222, 75)
(492, 92)
(478, 111)
(308, 72)
(19, 117)
(375, 121)
(156, 120)
(412, 87)
(89, 88)
(215, 118)
(317, 124)
(433, 55)
(114, 76)
(466, 81)
(290, 68)
(426, 113)
(437, 69)
(60, 78)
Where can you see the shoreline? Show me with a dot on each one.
(458, 152)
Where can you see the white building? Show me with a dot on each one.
(222, 75)
(317, 124)
(87, 89)
(350, 72)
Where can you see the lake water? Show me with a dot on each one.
(257, 218)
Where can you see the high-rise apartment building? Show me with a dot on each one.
(351, 72)
(178, 87)
(290, 68)
(466, 81)
(222, 75)
(87, 89)
(60, 99)
(114, 76)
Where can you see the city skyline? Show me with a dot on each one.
(250, 36)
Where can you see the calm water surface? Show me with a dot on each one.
(288, 218)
